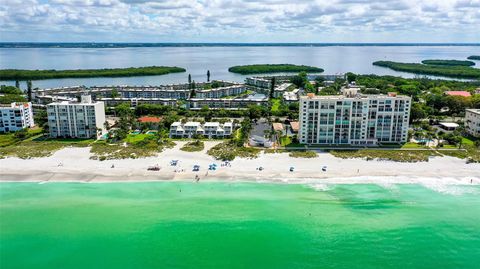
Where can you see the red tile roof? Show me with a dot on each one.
(458, 93)
(295, 126)
(277, 126)
(149, 119)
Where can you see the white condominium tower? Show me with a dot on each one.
(15, 117)
(472, 122)
(77, 120)
(354, 119)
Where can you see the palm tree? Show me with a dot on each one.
(272, 87)
(29, 90)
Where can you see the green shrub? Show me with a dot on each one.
(194, 146)
(303, 154)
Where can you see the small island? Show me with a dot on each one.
(272, 68)
(448, 62)
(474, 57)
(434, 70)
(22, 74)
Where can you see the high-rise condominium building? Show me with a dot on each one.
(83, 119)
(15, 116)
(354, 119)
(472, 122)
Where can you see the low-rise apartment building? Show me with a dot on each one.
(83, 119)
(137, 101)
(170, 91)
(291, 97)
(281, 89)
(354, 119)
(259, 82)
(472, 122)
(208, 129)
(221, 91)
(15, 117)
(224, 103)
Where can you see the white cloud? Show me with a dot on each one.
(240, 21)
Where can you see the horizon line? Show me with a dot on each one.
(7, 44)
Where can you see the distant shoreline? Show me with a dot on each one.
(22, 74)
(214, 44)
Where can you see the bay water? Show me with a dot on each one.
(217, 59)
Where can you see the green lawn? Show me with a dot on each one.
(132, 138)
(448, 147)
(285, 141)
(275, 105)
(466, 141)
(411, 145)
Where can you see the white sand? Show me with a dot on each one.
(78, 167)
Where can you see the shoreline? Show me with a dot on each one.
(77, 167)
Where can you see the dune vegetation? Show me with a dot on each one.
(272, 68)
(23, 74)
(435, 70)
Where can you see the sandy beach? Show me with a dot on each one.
(76, 165)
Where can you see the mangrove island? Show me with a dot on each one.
(448, 62)
(436, 70)
(272, 68)
(22, 74)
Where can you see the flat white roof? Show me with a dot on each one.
(212, 123)
(474, 110)
(192, 123)
(177, 123)
(449, 124)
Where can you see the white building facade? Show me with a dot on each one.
(472, 122)
(76, 120)
(354, 119)
(259, 82)
(193, 128)
(15, 117)
(220, 91)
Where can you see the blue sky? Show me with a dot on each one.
(240, 20)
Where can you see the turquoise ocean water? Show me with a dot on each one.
(237, 225)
